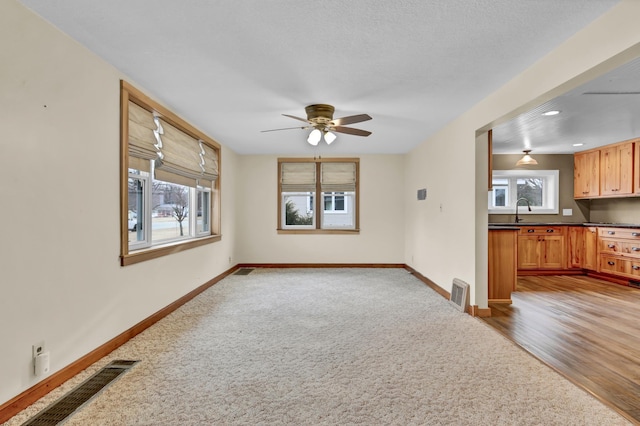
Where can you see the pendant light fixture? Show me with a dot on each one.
(526, 159)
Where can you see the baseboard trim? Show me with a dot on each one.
(435, 287)
(474, 311)
(34, 393)
(321, 265)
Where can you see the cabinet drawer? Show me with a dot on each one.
(631, 248)
(626, 233)
(546, 230)
(614, 265)
(610, 246)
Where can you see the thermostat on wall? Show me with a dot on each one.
(422, 194)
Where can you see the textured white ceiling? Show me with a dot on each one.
(232, 67)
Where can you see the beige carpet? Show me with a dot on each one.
(329, 347)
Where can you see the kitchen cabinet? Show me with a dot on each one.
(636, 168)
(541, 247)
(619, 251)
(586, 174)
(502, 264)
(616, 169)
(590, 257)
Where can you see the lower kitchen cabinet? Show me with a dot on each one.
(502, 264)
(541, 247)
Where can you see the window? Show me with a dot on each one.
(170, 181)
(538, 187)
(318, 195)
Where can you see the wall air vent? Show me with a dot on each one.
(460, 295)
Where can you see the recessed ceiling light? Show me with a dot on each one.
(578, 144)
(552, 112)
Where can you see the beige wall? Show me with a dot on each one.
(381, 217)
(564, 165)
(59, 172)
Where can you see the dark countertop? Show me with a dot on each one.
(509, 225)
(504, 227)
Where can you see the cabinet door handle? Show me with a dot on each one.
(531, 230)
(611, 232)
(635, 234)
(550, 230)
(611, 246)
(635, 267)
(635, 248)
(611, 263)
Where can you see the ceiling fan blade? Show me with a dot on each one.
(350, 131)
(351, 119)
(297, 118)
(285, 128)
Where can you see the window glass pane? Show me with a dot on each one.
(500, 196)
(341, 218)
(170, 211)
(202, 213)
(531, 189)
(328, 203)
(135, 212)
(296, 206)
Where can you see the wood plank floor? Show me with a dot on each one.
(585, 328)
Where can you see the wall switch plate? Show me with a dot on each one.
(37, 349)
(567, 212)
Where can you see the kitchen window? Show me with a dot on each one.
(538, 187)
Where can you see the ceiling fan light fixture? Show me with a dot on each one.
(314, 137)
(526, 159)
(329, 137)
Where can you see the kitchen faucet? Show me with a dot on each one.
(518, 201)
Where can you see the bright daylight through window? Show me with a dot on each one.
(535, 188)
(318, 195)
(171, 172)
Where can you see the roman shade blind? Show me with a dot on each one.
(142, 141)
(185, 160)
(338, 177)
(179, 158)
(298, 177)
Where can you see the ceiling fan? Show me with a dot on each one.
(320, 119)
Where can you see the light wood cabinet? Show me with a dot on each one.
(586, 174)
(619, 252)
(502, 264)
(541, 247)
(636, 168)
(590, 260)
(616, 169)
(575, 239)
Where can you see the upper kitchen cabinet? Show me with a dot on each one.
(616, 169)
(610, 171)
(586, 174)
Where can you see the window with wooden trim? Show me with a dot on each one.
(318, 195)
(169, 181)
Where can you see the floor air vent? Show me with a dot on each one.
(83, 393)
(244, 271)
(460, 295)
